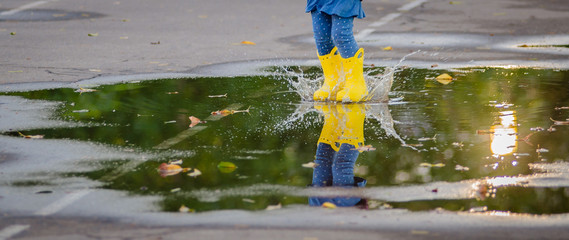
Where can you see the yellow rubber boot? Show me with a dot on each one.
(330, 131)
(351, 121)
(332, 69)
(355, 89)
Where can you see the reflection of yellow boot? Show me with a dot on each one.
(330, 131)
(332, 69)
(351, 122)
(355, 89)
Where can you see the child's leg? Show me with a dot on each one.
(321, 25)
(355, 88)
(343, 167)
(343, 35)
(322, 175)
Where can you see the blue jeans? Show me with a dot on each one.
(333, 30)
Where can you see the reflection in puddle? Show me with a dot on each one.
(504, 135)
(484, 141)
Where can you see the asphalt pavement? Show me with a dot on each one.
(65, 41)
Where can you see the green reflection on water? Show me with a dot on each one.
(268, 149)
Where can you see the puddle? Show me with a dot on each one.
(488, 139)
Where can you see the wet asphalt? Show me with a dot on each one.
(58, 42)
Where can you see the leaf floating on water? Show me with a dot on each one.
(177, 162)
(412, 145)
(226, 167)
(175, 190)
(31, 136)
(218, 96)
(329, 205)
(184, 209)
(542, 150)
(436, 165)
(195, 121)
(13, 33)
(478, 209)
(551, 129)
(461, 168)
(423, 139)
(171, 169)
(483, 132)
(388, 48)
(85, 90)
(556, 122)
(366, 148)
(93, 34)
(309, 165)
(458, 144)
(226, 112)
(274, 207)
(444, 78)
(248, 43)
(195, 173)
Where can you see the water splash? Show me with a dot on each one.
(379, 85)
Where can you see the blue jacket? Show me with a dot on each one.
(342, 8)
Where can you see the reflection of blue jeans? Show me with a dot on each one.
(335, 169)
(333, 30)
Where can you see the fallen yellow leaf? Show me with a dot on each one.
(329, 205)
(444, 78)
(388, 48)
(248, 43)
(31, 136)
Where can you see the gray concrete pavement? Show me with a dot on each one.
(196, 33)
(73, 40)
